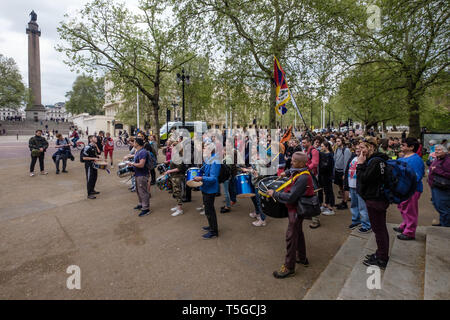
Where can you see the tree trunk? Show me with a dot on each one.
(272, 105)
(414, 117)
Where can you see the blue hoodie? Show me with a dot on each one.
(416, 163)
(210, 172)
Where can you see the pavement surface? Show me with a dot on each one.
(47, 225)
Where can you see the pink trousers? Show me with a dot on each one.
(410, 214)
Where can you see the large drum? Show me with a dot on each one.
(269, 206)
(190, 175)
(125, 172)
(244, 187)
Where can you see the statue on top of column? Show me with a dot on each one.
(33, 16)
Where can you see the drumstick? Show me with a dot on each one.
(274, 181)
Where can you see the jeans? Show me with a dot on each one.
(210, 211)
(74, 140)
(133, 182)
(226, 189)
(359, 210)
(232, 189)
(257, 203)
(64, 161)
(441, 202)
(41, 162)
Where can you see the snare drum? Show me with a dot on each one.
(244, 187)
(269, 206)
(125, 172)
(122, 165)
(190, 175)
(101, 165)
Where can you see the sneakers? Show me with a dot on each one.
(200, 209)
(138, 207)
(144, 213)
(31, 174)
(342, 206)
(253, 215)
(328, 212)
(96, 192)
(354, 225)
(177, 213)
(283, 272)
(57, 171)
(259, 223)
(364, 230)
(398, 230)
(314, 225)
(405, 237)
(224, 210)
(374, 261)
(174, 208)
(206, 228)
(44, 173)
(304, 262)
(202, 212)
(92, 196)
(65, 171)
(209, 235)
(112, 167)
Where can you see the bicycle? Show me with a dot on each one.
(80, 145)
(121, 143)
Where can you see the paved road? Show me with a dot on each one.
(47, 224)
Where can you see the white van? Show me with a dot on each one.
(189, 125)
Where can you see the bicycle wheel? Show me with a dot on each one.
(80, 145)
(119, 144)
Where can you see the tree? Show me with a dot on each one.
(12, 91)
(364, 95)
(135, 49)
(248, 34)
(87, 96)
(412, 41)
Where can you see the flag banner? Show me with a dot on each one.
(283, 94)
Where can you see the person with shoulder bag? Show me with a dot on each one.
(292, 196)
(38, 145)
(439, 182)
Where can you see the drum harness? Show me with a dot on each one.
(284, 185)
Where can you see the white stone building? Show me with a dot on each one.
(57, 112)
(9, 112)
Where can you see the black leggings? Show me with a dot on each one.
(326, 183)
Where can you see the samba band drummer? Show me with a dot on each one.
(89, 155)
(176, 172)
(302, 185)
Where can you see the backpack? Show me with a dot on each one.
(225, 173)
(400, 181)
(81, 155)
(151, 161)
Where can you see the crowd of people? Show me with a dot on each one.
(359, 166)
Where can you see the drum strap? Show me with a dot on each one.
(287, 183)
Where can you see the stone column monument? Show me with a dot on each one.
(35, 110)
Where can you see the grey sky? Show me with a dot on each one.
(56, 77)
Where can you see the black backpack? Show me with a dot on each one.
(81, 155)
(225, 173)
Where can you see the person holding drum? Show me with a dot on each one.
(89, 155)
(176, 172)
(302, 185)
(210, 177)
(141, 173)
(108, 147)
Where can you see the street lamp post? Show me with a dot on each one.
(183, 78)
